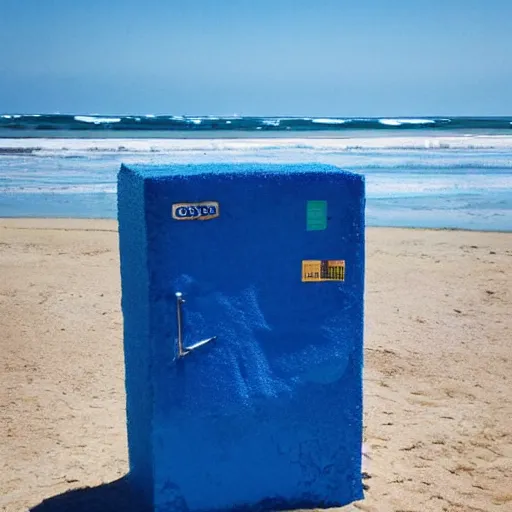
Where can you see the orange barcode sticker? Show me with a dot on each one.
(315, 271)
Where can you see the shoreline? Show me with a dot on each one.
(5, 221)
(253, 134)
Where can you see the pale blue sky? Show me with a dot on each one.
(257, 57)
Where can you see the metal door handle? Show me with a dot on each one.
(182, 350)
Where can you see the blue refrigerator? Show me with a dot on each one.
(242, 296)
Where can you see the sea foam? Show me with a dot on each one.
(399, 122)
(438, 181)
(328, 121)
(97, 120)
(445, 144)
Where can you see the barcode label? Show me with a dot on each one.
(323, 270)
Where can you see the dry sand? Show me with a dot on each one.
(438, 375)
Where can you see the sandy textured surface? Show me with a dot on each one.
(438, 376)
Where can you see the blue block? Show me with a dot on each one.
(268, 415)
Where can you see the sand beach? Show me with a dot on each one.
(438, 369)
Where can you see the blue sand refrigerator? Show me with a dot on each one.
(242, 296)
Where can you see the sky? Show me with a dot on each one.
(257, 57)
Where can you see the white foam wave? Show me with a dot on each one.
(100, 188)
(17, 116)
(328, 121)
(379, 186)
(271, 122)
(97, 120)
(333, 145)
(399, 122)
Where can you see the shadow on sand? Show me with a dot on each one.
(117, 496)
(114, 496)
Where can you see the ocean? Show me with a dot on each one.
(420, 172)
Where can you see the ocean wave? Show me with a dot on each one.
(399, 122)
(271, 122)
(151, 122)
(409, 185)
(101, 188)
(416, 144)
(97, 120)
(328, 121)
(18, 151)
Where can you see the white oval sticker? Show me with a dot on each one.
(204, 210)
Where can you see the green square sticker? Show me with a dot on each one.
(316, 218)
